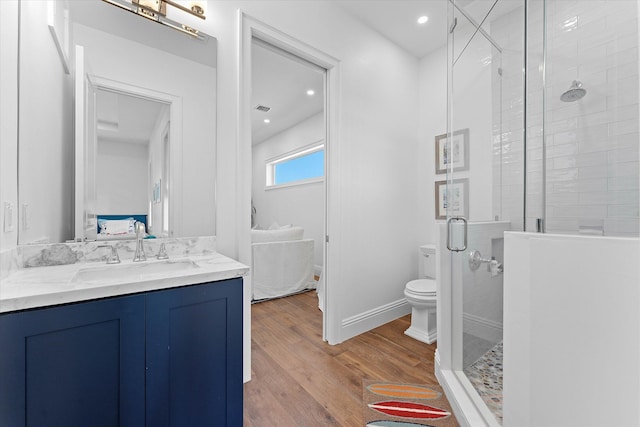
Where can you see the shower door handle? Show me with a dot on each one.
(464, 242)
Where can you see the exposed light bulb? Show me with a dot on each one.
(311, 92)
(267, 121)
(198, 7)
(423, 19)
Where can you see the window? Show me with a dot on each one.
(299, 167)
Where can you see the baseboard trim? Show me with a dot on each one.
(365, 321)
(489, 330)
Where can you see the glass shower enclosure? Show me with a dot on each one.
(542, 137)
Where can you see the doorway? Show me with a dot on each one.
(251, 29)
(288, 140)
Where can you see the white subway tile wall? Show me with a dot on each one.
(591, 159)
(508, 136)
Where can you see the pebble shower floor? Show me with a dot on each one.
(486, 376)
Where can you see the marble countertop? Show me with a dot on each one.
(51, 285)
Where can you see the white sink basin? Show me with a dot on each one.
(134, 270)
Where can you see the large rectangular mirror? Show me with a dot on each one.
(117, 119)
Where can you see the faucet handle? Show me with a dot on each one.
(113, 258)
(162, 252)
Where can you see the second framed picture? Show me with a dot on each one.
(453, 200)
(454, 155)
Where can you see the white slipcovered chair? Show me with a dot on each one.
(282, 262)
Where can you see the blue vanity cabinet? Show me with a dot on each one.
(162, 358)
(74, 365)
(194, 355)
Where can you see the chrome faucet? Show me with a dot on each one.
(139, 255)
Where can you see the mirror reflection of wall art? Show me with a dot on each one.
(157, 192)
(452, 199)
(454, 155)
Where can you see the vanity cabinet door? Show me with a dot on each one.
(194, 355)
(74, 365)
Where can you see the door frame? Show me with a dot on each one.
(250, 28)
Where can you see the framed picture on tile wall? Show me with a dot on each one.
(453, 200)
(454, 155)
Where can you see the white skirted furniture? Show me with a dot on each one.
(282, 262)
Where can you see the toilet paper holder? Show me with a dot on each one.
(493, 266)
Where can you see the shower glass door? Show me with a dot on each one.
(484, 194)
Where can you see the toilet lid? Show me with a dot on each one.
(422, 286)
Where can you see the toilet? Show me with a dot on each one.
(421, 295)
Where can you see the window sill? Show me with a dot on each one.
(295, 184)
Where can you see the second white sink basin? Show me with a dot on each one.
(133, 270)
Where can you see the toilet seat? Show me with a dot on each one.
(422, 287)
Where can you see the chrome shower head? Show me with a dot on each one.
(574, 93)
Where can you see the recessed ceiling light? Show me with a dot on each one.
(423, 19)
(267, 121)
(311, 92)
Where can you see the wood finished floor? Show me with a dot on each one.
(299, 380)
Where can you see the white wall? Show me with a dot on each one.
(572, 331)
(301, 205)
(432, 122)
(122, 175)
(8, 118)
(46, 133)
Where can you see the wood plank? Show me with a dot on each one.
(299, 380)
(284, 402)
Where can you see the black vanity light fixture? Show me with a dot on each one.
(160, 11)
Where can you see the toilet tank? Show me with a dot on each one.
(427, 262)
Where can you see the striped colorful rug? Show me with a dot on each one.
(405, 405)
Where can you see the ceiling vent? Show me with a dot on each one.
(263, 108)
